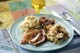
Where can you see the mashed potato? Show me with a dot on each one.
(29, 22)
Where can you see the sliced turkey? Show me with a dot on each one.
(39, 39)
(27, 36)
(34, 39)
(42, 40)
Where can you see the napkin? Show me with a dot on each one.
(5, 47)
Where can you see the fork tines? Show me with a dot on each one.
(6, 34)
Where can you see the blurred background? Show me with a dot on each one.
(10, 10)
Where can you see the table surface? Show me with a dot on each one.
(14, 9)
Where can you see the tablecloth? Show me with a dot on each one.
(14, 9)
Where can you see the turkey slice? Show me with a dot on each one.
(40, 42)
(34, 39)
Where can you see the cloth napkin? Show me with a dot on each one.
(5, 47)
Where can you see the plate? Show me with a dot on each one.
(15, 34)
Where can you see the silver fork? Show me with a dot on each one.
(8, 39)
(68, 18)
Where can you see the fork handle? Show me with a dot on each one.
(14, 47)
(76, 27)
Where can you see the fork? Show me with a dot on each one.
(8, 39)
(68, 18)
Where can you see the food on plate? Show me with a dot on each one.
(35, 36)
(28, 35)
(37, 31)
(46, 23)
(29, 22)
(57, 34)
